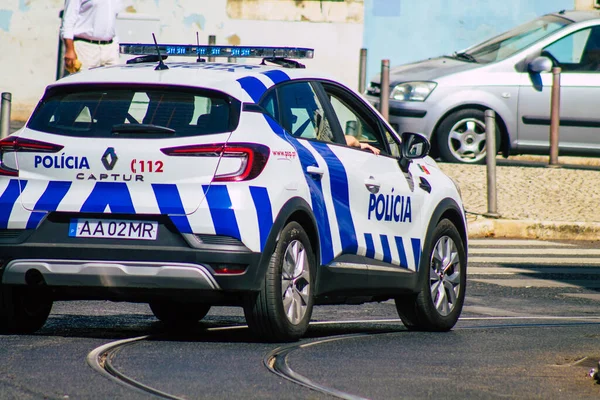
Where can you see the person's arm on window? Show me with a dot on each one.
(353, 142)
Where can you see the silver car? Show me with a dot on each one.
(445, 97)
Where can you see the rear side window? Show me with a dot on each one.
(93, 111)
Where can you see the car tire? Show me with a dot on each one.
(281, 311)
(461, 137)
(438, 305)
(176, 313)
(23, 310)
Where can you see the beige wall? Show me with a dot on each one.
(29, 34)
(584, 4)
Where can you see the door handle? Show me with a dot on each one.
(316, 171)
(372, 185)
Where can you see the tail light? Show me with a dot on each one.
(253, 158)
(16, 144)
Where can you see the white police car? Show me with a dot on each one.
(192, 184)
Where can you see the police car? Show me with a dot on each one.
(191, 184)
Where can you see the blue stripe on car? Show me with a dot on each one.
(253, 86)
(113, 194)
(385, 246)
(370, 246)
(264, 214)
(221, 211)
(49, 201)
(341, 197)
(318, 203)
(8, 199)
(416, 245)
(277, 76)
(315, 189)
(169, 202)
(401, 252)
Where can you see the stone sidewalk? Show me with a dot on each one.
(533, 201)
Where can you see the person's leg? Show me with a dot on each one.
(88, 54)
(110, 54)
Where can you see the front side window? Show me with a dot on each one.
(353, 117)
(579, 51)
(94, 111)
(302, 112)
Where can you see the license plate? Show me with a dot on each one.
(113, 229)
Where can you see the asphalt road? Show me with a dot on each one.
(528, 330)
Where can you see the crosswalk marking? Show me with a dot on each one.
(533, 263)
(517, 260)
(544, 251)
(515, 242)
(519, 253)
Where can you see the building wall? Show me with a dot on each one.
(29, 34)
(412, 30)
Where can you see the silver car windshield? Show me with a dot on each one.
(505, 45)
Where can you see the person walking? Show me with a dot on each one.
(88, 32)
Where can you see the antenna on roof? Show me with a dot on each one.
(161, 65)
(199, 59)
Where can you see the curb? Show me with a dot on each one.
(530, 229)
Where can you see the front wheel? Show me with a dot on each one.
(461, 137)
(23, 310)
(281, 311)
(442, 293)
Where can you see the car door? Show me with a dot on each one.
(384, 206)
(578, 55)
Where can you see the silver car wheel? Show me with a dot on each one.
(466, 140)
(444, 275)
(295, 282)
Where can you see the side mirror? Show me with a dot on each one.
(540, 64)
(414, 146)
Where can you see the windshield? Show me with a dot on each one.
(515, 40)
(142, 111)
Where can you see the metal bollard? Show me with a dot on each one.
(554, 116)
(490, 144)
(212, 40)
(5, 115)
(362, 71)
(60, 62)
(384, 96)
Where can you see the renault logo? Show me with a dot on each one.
(109, 158)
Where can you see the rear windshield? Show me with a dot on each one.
(118, 111)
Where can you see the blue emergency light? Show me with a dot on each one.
(184, 50)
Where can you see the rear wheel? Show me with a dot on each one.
(282, 309)
(175, 313)
(23, 309)
(439, 303)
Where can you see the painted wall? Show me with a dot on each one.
(29, 34)
(412, 30)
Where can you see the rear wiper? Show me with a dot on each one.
(464, 56)
(140, 128)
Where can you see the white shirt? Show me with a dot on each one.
(90, 19)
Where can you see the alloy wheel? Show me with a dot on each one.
(466, 140)
(444, 275)
(295, 282)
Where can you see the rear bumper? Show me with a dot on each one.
(129, 267)
(88, 273)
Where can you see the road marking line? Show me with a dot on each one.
(507, 242)
(540, 283)
(475, 270)
(534, 261)
(566, 252)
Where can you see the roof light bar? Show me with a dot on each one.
(190, 50)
